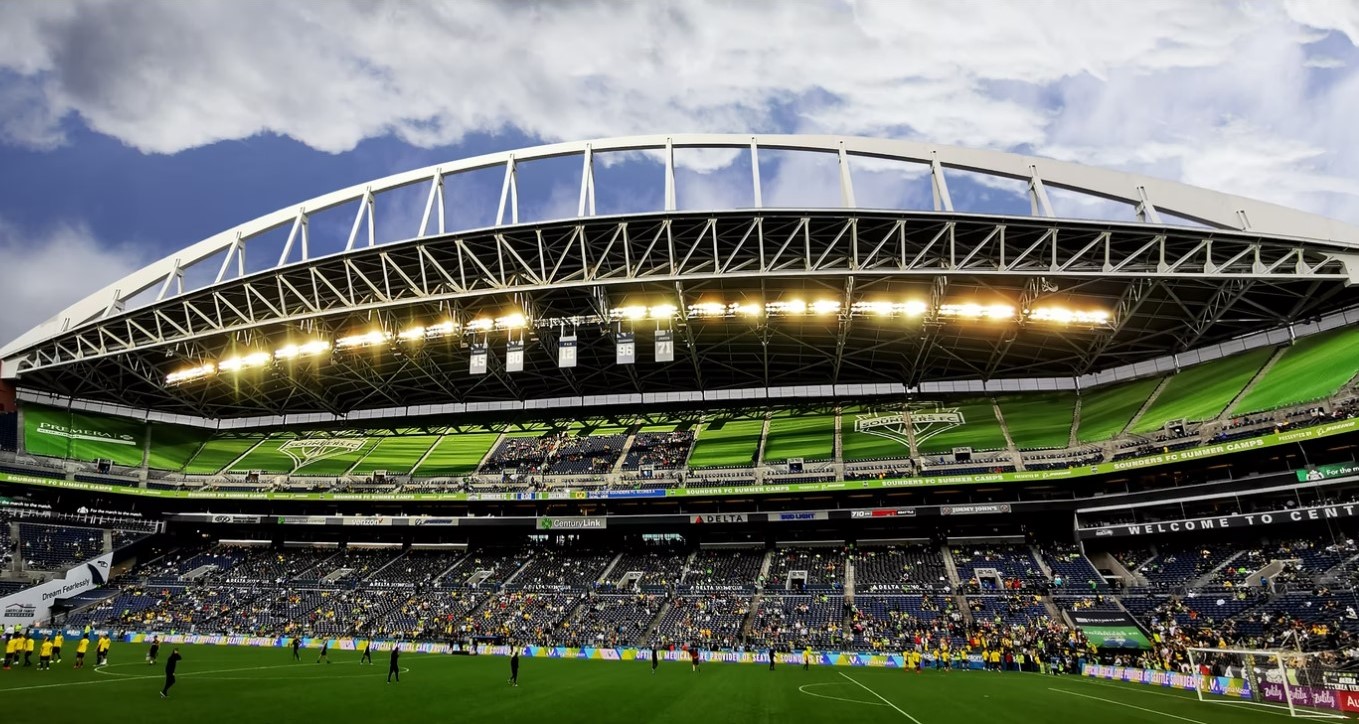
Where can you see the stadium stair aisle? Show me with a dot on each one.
(1151, 399)
(1254, 381)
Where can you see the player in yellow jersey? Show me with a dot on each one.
(29, 646)
(11, 649)
(916, 658)
(45, 655)
(806, 658)
(101, 650)
(81, 648)
(57, 641)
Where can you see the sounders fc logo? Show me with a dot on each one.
(304, 452)
(925, 420)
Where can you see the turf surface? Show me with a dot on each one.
(231, 685)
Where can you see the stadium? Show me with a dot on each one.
(1088, 445)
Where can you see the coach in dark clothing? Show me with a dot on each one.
(170, 665)
(394, 670)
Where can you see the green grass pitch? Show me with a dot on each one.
(236, 685)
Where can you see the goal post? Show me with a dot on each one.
(1281, 679)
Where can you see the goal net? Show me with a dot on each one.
(1286, 680)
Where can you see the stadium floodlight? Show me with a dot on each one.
(914, 308)
(972, 310)
(748, 309)
(793, 306)
(1062, 315)
(411, 334)
(825, 306)
(663, 311)
(242, 362)
(442, 329)
(483, 324)
(191, 374)
(513, 320)
(882, 309)
(306, 349)
(707, 310)
(365, 339)
(634, 311)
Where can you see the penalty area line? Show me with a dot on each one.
(885, 701)
(1130, 706)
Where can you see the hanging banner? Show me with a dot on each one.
(566, 352)
(627, 348)
(478, 363)
(34, 604)
(665, 345)
(514, 356)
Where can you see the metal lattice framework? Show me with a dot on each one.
(1245, 266)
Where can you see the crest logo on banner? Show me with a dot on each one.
(305, 452)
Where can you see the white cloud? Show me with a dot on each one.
(48, 269)
(1252, 98)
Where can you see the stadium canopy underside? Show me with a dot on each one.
(755, 298)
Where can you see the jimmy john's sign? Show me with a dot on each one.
(1346, 511)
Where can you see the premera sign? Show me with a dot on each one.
(1207, 451)
(57, 433)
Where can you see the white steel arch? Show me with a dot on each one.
(1150, 197)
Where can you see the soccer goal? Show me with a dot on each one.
(1286, 680)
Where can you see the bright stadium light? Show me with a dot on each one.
(825, 306)
(999, 311)
(483, 324)
(411, 334)
(513, 320)
(881, 309)
(747, 309)
(635, 311)
(703, 310)
(305, 349)
(243, 362)
(1062, 315)
(191, 374)
(366, 339)
(914, 308)
(663, 311)
(795, 306)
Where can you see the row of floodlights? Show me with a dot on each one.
(701, 310)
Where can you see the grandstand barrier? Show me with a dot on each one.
(617, 653)
(1166, 458)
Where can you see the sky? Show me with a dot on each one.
(130, 130)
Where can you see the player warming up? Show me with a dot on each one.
(655, 659)
(514, 666)
(693, 658)
(81, 648)
(154, 651)
(297, 648)
(394, 669)
(807, 658)
(325, 652)
(45, 655)
(367, 653)
(57, 641)
(170, 665)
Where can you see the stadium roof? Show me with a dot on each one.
(387, 309)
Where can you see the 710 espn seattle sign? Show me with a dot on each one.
(1226, 522)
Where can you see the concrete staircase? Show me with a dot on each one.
(1205, 578)
(604, 577)
(1072, 440)
(1145, 406)
(1259, 374)
(952, 568)
(623, 455)
(1015, 457)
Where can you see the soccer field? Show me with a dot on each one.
(234, 685)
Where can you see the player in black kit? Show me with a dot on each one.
(394, 669)
(514, 666)
(297, 648)
(170, 665)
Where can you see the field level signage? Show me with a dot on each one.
(714, 518)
